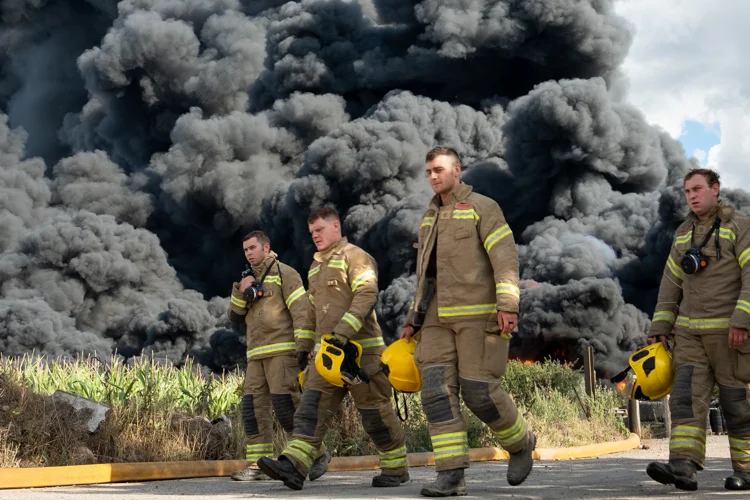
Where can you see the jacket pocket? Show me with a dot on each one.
(742, 368)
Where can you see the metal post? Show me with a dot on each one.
(589, 372)
(634, 416)
(667, 418)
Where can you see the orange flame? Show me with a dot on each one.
(621, 386)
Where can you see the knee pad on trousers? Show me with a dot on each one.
(736, 409)
(306, 416)
(248, 416)
(435, 400)
(375, 426)
(283, 406)
(476, 394)
(681, 403)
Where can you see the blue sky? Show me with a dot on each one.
(697, 137)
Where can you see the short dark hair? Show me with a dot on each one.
(442, 150)
(262, 238)
(325, 213)
(711, 176)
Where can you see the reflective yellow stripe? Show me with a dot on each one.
(373, 342)
(353, 321)
(304, 334)
(495, 236)
(674, 268)
(393, 459)
(272, 279)
(743, 305)
(685, 238)
(450, 445)
(513, 434)
(472, 310)
(299, 292)
(469, 213)
(667, 316)
(301, 451)
(744, 258)
(727, 234)
(703, 324)
(311, 298)
(688, 437)
(507, 288)
(238, 301)
(363, 278)
(271, 348)
(312, 272)
(254, 452)
(338, 264)
(427, 221)
(739, 449)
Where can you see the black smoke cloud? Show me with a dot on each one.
(180, 126)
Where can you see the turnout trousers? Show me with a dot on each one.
(271, 386)
(700, 361)
(469, 358)
(321, 400)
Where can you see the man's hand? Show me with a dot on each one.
(407, 332)
(507, 321)
(339, 339)
(246, 282)
(737, 337)
(302, 359)
(659, 338)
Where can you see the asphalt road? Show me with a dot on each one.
(617, 476)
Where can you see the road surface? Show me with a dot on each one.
(613, 477)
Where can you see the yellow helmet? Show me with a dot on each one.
(301, 379)
(653, 371)
(340, 366)
(398, 365)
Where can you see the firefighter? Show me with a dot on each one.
(272, 302)
(343, 289)
(705, 294)
(464, 312)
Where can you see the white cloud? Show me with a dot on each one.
(688, 62)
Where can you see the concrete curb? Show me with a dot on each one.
(151, 471)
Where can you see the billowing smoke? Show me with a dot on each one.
(141, 139)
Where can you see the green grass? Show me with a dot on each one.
(161, 412)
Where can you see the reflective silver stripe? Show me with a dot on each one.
(667, 316)
(471, 310)
(674, 268)
(744, 258)
(685, 238)
(508, 288)
(495, 236)
(363, 278)
(272, 279)
(299, 292)
(373, 342)
(238, 302)
(353, 321)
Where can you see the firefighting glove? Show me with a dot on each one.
(351, 372)
(302, 360)
(339, 340)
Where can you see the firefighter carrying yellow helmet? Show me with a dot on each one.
(653, 371)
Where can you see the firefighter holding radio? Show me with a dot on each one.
(705, 295)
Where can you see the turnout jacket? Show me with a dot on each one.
(717, 297)
(275, 322)
(343, 289)
(476, 260)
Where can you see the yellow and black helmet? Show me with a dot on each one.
(397, 362)
(654, 375)
(340, 365)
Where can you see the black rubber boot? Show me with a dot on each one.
(738, 481)
(448, 483)
(282, 470)
(319, 466)
(384, 481)
(521, 462)
(680, 472)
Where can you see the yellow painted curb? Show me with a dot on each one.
(149, 471)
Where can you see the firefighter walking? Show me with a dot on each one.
(343, 289)
(465, 309)
(705, 294)
(273, 304)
